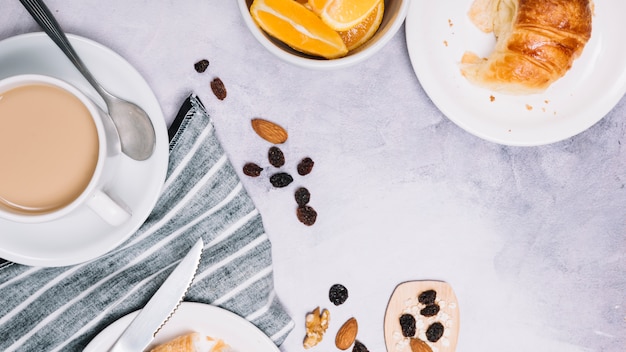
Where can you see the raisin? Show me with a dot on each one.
(427, 297)
(218, 88)
(307, 215)
(434, 332)
(281, 179)
(252, 169)
(305, 166)
(407, 323)
(359, 347)
(302, 196)
(276, 157)
(338, 294)
(430, 310)
(201, 65)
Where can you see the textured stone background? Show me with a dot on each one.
(531, 239)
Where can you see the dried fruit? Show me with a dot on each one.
(430, 310)
(427, 297)
(281, 179)
(407, 323)
(218, 88)
(434, 332)
(338, 294)
(201, 65)
(252, 169)
(302, 196)
(359, 347)
(316, 325)
(347, 334)
(307, 215)
(269, 131)
(305, 166)
(276, 157)
(418, 345)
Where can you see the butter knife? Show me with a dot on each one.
(161, 306)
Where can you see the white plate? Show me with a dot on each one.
(83, 235)
(439, 32)
(205, 319)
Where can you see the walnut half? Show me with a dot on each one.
(316, 325)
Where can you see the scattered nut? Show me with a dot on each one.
(269, 131)
(316, 325)
(418, 345)
(347, 334)
(276, 134)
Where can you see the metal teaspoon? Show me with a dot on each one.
(134, 127)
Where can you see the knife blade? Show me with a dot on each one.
(161, 305)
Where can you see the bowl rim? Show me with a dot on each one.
(322, 64)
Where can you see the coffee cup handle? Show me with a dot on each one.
(109, 210)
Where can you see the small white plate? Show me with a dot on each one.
(83, 235)
(205, 319)
(439, 32)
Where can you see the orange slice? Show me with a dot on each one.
(316, 5)
(342, 15)
(293, 24)
(362, 32)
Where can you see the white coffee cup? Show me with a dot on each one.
(58, 152)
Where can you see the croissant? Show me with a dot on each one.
(536, 42)
(192, 342)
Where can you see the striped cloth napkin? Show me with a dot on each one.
(62, 309)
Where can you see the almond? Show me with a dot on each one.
(418, 345)
(347, 334)
(269, 131)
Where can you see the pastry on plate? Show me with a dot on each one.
(193, 342)
(537, 42)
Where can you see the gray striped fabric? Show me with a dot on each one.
(62, 309)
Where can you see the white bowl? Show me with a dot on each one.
(393, 17)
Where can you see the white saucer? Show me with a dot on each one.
(439, 32)
(205, 319)
(83, 235)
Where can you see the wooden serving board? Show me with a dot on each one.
(404, 300)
